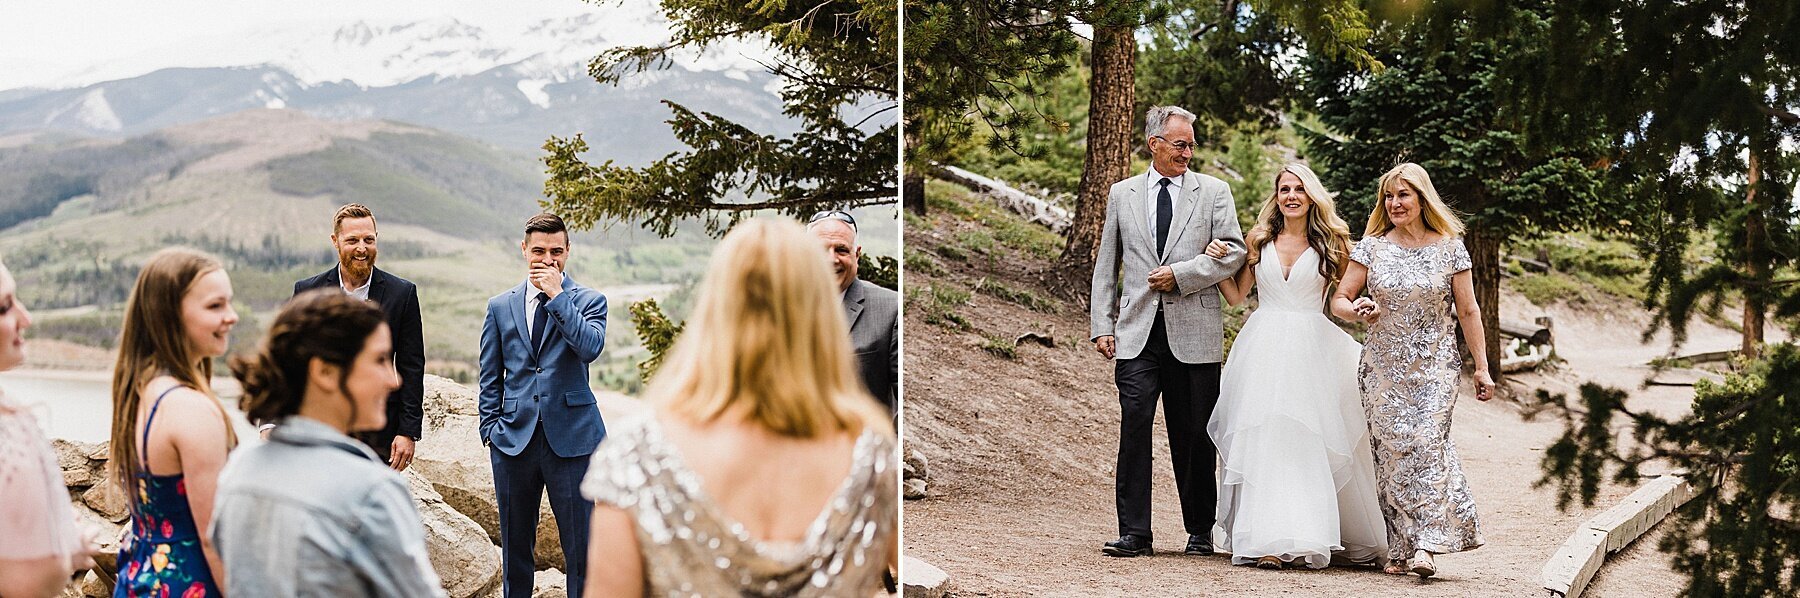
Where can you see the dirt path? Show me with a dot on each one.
(1022, 454)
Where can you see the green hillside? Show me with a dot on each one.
(257, 189)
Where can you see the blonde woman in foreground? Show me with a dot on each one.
(1298, 486)
(1413, 263)
(764, 468)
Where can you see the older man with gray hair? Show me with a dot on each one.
(1155, 312)
(872, 312)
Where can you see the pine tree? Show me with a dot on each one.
(829, 55)
(1702, 95)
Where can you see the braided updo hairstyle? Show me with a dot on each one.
(322, 323)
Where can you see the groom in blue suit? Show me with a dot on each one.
(538, 417)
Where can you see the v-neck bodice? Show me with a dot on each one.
(1301, 290)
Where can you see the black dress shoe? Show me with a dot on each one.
(1199, 545)
(1128, 546)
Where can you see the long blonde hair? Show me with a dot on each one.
(1438, 217)
(154, 341)
(1326, 232)
(768, 341)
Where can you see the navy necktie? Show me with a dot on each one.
(1164, 213)
(539, 318)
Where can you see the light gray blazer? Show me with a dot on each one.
(314, 513)
(1122, 304)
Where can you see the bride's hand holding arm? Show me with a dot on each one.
(1360, 309)
(1235, 288)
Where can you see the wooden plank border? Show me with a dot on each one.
(1568, 572)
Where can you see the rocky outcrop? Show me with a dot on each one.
(98, 502)
(451, 479)
(460, 552)
(914, 474)
(452, 457)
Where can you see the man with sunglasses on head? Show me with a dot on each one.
(872, 311)
(1154, 311)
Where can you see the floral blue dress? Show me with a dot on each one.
(163, 558)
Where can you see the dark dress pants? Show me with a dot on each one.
(1188, 391)
(519, 484)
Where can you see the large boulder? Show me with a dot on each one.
(460, 552)
(920, 579)
(451, 456)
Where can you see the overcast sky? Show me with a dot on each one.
(41, 39)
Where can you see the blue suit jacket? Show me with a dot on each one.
(523, 387)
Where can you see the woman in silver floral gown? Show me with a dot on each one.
(1416, 271)
(764, 467)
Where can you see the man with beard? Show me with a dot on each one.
(353, 235)
(872, 312)
(538, 416)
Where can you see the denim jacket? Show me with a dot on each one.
(314, 513)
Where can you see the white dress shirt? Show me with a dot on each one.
(360, 293)
(1150, 191)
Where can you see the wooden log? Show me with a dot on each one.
(1035, 209)
(1524, 362)
(1709, 356)
(1568, 572)
(1530, 264)
(1534, 334)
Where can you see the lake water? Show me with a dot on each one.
(77, 405)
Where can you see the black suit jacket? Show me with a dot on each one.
(399, 301)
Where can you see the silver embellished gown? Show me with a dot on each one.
(691, 548)
(1408, 377)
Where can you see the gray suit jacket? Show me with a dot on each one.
(1122, 304)
(874, 316)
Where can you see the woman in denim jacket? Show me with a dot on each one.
(313, 512)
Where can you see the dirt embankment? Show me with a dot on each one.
(1022, 449)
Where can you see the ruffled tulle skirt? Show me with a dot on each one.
(1299, 479)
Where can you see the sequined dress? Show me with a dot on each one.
(691, 548)
(1408, 377)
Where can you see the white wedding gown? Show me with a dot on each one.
(1299, 479)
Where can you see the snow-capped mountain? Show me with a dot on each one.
(510, 88)
(381, 53)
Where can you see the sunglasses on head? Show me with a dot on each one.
(838, 215)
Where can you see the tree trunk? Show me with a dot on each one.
(912, 195)
(1756, 265)
(1484, 260)
(1112, 104)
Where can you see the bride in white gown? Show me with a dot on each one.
(1298, 485)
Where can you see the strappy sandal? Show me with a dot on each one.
(1422, 564)
(1268, 562)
